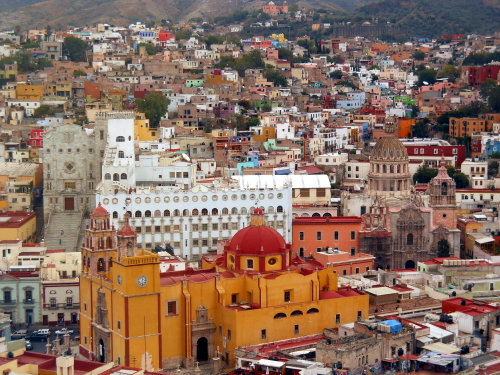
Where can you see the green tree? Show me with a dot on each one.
(419, 55)
(285, 54)
(25, 62)
(75, 48)
(43, 63)
(213, 39)
(253, 121)
(276, 77)
(426, 75)
(451, 72)
(150, 49)
(443, 248)
(81, 120)
(154, 106)
(424, 175)
(17, 30)
(421, 128)
(461, 180)
(78, 72)
(44, 110)
(487, 88)
(48, 32)
(493, 168)
(494, 100)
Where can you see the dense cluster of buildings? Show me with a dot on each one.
(274, 228)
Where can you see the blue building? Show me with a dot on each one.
(20, 296)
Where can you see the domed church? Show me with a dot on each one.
(401, 227)
(131, 313)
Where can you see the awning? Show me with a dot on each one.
(269, 363)
(282, 172)
(442, 348)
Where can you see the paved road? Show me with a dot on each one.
(40, 346)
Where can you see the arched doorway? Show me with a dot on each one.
(409, 264)
(101, 356)
(202, 349)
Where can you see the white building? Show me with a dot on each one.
(477, 171)
(191, 219)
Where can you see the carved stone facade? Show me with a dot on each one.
(102, 334)
(202, 337)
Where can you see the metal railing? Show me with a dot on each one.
(7, 301)
(29, 300)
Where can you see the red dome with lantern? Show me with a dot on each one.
(257, 239)
(99, 210)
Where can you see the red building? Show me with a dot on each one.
(478, 74)
(36, 138)
(166, 37)
(328, 101)
(463, 304)
(435, 151)
(374, 110)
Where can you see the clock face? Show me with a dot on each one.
(119, 279)
(142, 281)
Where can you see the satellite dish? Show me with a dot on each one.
(186, 157)
(426, 83)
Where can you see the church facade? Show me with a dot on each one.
(401, 227)
(134, 315)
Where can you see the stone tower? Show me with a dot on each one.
(442, 190)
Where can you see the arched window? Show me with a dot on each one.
(166, 213)
(177, 213)
(185, 213)
(123, 176)
(243, 210)
(107, 176)
(270, 210)
(316, 214)
(84, 261)
(138, 214)
(279, 209)
(116, 177)
(234, 211)
(215, 211)
(444, 188)
(121, 154)
(100, 265)
(391, 168)
(280, 315)
(378, 168)
(195, 212)
(157, 213)
(110, 263)
(204, 212)
(147, 213)
(384, 168)
(313, 311)
(115, 215)
(409, 239)
(399, 169)
(88, 262)
(225, 211)
(296, 312)
(120, 139)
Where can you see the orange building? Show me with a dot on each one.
(333, 241)
(404, 127)
(465, 127)
(25, 91)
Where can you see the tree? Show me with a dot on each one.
(75, 48)
(426, 75)
(461, 180)
(451, 72)
(494, 100)
(424, 175)
(213, 39)
(443, 248)
(154, 106)
(493, 168)
(17, 30)
(419, 55)
(285, 54)
(421, 128)
(43, 63)
(487, 88)
(276, 77)
(150, 49)
(48, 32)
(44, 110)
(253, 121)
(78, 72)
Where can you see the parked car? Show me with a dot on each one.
(44, 331)
(20, 334)
(28, 345)
(63, 331)
(36, 336)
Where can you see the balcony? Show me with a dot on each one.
(7, 301)
(75, 306)
(29, 300)
(56, 306)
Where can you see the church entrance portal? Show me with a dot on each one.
(69, 204)
(101, 354)
(202, 349)
(409, 264)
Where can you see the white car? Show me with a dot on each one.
(63, 331)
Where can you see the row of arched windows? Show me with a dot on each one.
(384, 168)
(116, 176)
(194, 212)
(101, 263)
(296, 312)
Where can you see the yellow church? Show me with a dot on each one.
(255, 291)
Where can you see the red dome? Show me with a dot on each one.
(126, 230)
(258, 211)
(99, 210)
(251, 239)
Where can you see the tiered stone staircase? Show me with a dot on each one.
(70, 222)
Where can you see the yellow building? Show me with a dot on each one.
(17, 184)
(25, 91)
(256, 291)
(17, 225)
(142, 131)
